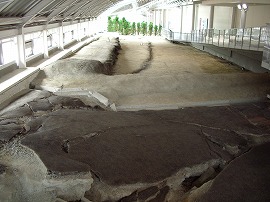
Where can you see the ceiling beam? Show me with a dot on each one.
(61, 9)
(38, 8)
(216, 2)
(11, 20)
(4, 4)
(88, 14)
(74, 9)
(81, 12)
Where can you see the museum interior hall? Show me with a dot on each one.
(134, 100)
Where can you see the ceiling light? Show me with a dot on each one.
(239, 6)
(244, 6)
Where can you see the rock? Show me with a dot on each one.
(145, 194)
(145, 155)
(161, 195)
(245, 179)
(131, 198)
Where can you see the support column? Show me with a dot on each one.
(243, 18)
(88, 28)
(147, 17)
(233, 23)
(193, 16)
(61, 39)
(45, 44)
(164, 18)
(94, 26)
(181, 22)
(159, 18)
(78, 31)
(211, 20)
(155, 17)
(21, 49)
(1, 54)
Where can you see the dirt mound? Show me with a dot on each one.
(97, 57)
(71, 67)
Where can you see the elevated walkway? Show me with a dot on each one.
(248, 59)
(246, 48)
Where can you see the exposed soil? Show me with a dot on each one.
(176, 76)
(57, 148)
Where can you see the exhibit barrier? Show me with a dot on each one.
(248, 38)
(266, 51)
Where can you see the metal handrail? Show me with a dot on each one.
(248, 38)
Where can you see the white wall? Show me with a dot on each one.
(258, 16)
(158, 17)
(203, 17)
(187, 19)
(174, 19)
(222, 17)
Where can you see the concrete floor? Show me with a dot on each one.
(55, 148)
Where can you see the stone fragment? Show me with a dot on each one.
(161, 195)
(19, 112)
(40, 105)
(131, 198)
(2, 169)
(244, 179)
(9, 130)
(145, 194)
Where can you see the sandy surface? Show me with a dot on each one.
(178, 76)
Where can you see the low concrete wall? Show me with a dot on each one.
(33, 59)
(16, 86)
(247, 59)
(7, 68)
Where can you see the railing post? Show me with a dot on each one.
(207, 35)
(204, 35)
(242, 42)
(235, 38)
(223, 37)
(218, 36)
(212, 34)
(229, 38)
(250, 37)
(259, 42)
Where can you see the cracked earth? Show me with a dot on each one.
(59, 148)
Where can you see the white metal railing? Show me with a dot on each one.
(248, 38)
(266, 51)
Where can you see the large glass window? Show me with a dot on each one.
(7, 53)
(29, 48)
(33, 44)
(53, 37)
(69, 33)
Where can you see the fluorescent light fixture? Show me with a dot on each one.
(244, 6)
(239, 6)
